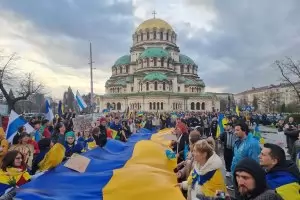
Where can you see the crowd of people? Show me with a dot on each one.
(256, 173)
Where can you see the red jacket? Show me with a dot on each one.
(47, 133)
(35, 146)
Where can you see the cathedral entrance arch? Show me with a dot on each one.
(192, 106)
(118, 106)
(198, 106)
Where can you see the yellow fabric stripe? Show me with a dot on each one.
(216, 183)
(12, 174)
(289, 191)
(53, 158)
(147, 175)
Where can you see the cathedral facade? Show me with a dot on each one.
(155, 76)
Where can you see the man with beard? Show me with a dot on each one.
(250, 181)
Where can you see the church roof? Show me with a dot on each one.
(155, 76)
(183, 59)
(154, 52)
(124, 60)
(193, 82)
(154, 23)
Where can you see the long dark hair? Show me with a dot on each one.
(9, 159)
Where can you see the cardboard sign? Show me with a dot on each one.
(78, 163)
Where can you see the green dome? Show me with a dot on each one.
(193, 82)
(155, 76)
(183, 59)
(181, 79)
(124, 60)
(154, 52)
(120, 82)
(129, 79)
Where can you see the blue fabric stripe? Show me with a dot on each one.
(80, 102)
(279, 178)
(65, 184)
(206, 177)
(14, 125)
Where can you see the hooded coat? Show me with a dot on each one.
(284, 179)
(260, 192)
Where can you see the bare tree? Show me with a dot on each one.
(24, 86)
(290, 71)
(269, 100)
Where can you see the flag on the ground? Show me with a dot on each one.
(16, 121)
(237, 110)
(81, 103)
(49, 113)
(60, 110)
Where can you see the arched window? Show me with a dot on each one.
(113, 106)
(181, 69)
(157, 105)
(161, 35)
(167, 36)
(148, 36)
(150, 106)
(142, 63)
(155, 62)
(173, 106)
(197, 106)
(192, 89)
(141, 86)
(147, 86)
(188, 69)
(127, 68)
(162, 62)
(118, 89)
(148, 63)
(120, 70)
(155, 85)
(203, 106)
(192, 106)
(161, 105)
(154, 105)
(118, 106)
(154, 35)
(164, 86)
(142, 36)
(168, 63)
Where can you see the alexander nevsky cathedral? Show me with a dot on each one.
(156, 76)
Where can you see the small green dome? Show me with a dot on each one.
(120, 82)
(155, 76)
(193, 82)
(129, 79)
(181, 79)
(154, 52)
(124, 60)
(183, 59)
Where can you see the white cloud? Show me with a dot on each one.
(34, 48)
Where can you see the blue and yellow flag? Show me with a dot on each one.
(137, 169)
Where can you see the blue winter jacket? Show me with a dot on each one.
(248, 147)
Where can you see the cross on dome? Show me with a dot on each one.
(154, 13)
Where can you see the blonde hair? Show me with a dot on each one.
(211, 142)
(203, 146)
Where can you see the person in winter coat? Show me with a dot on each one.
(87, 141)
(70, 144)
(228, 138)
(44, 145)
(283, 175)
(59, 134)
(206, 177)
(44, 129)
(250, 181)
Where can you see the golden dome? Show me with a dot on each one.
(154, 23)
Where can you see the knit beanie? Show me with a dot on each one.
(69, 134)
(254, 169)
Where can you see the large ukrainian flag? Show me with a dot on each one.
(137, 169)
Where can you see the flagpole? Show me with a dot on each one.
(92, 85)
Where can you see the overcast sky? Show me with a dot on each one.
(234, 42)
